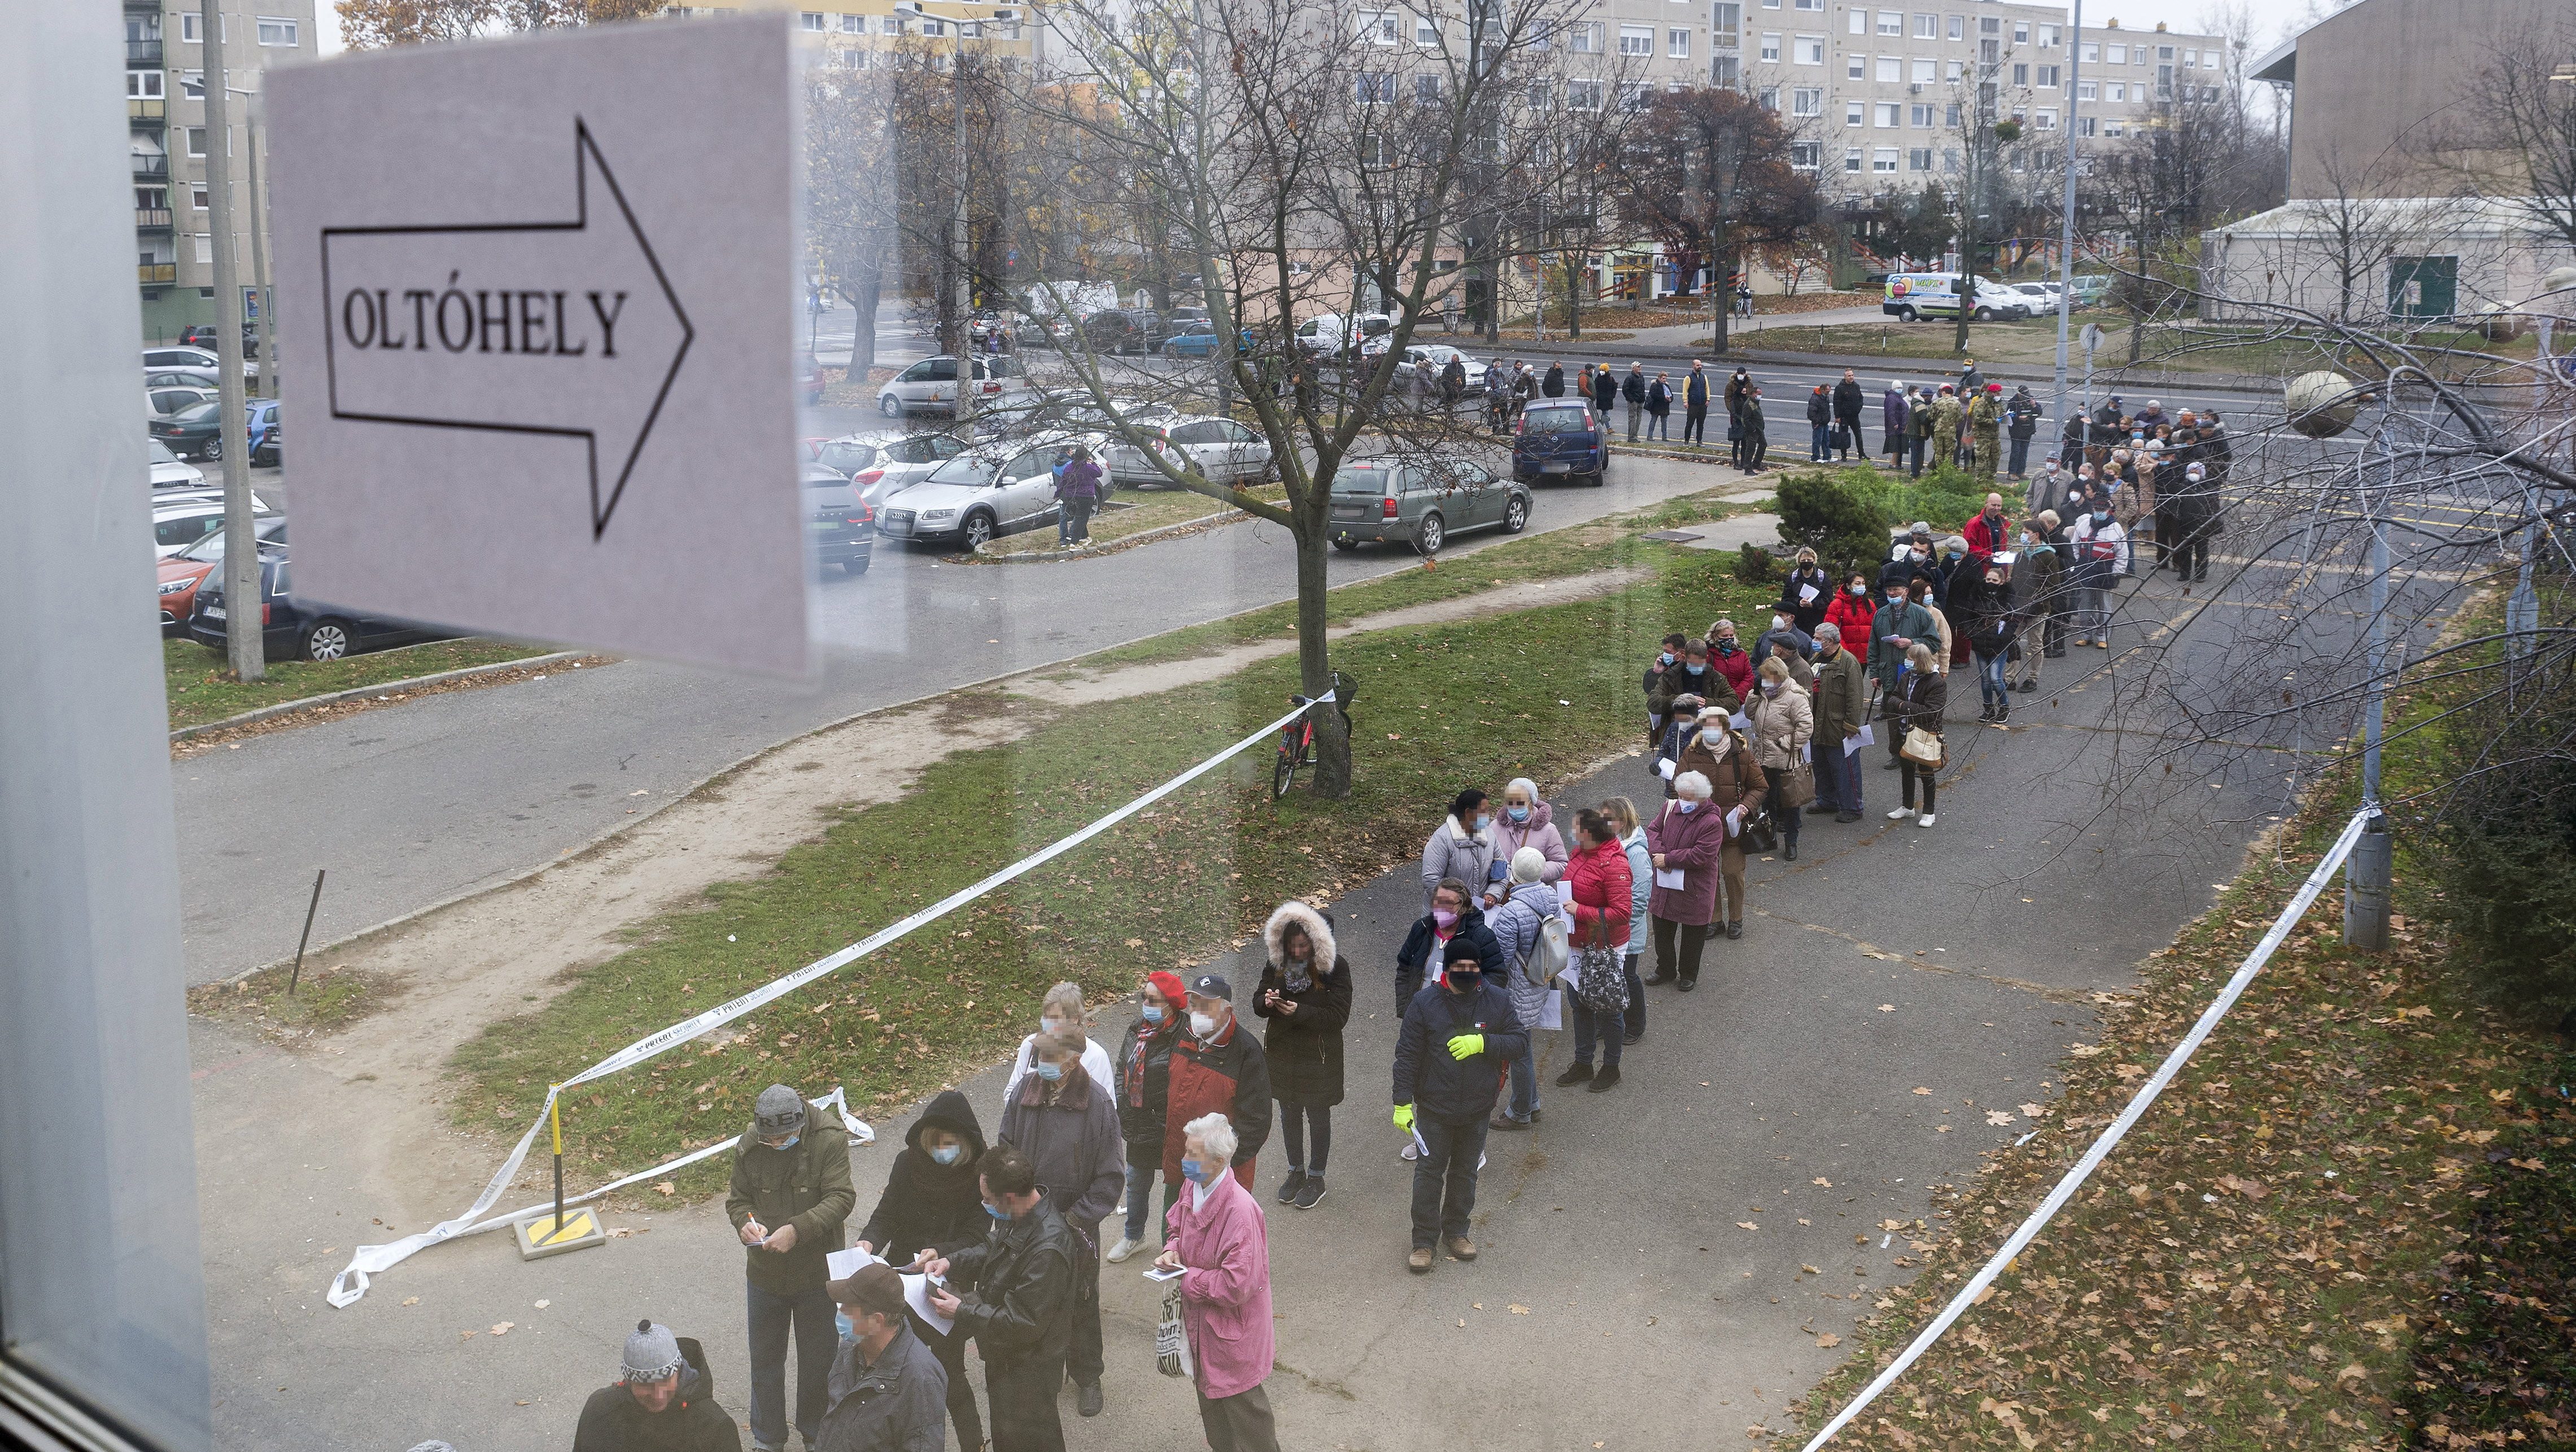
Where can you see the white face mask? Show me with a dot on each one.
(1202, 1025)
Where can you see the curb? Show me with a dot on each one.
(333, 698)
(1123, 542)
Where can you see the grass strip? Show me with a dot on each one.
(201, 688)
(1147, 509)
(1542, 692)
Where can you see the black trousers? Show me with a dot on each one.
(1023, 1395)
(1695, 424)
(1917, 470)
(1083, 1360)
(1694, 940)
(951, 1351)
(1754, 449)
(1914, 773)
(1444, 1179)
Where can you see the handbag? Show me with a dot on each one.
(1172, 1338)
(1601, 980)
(1735, 433)
(1797, 785)
(1921, 747)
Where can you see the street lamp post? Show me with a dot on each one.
(2066, 240)
(242, 633)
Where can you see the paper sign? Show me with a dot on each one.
(1806, 594)
(1664, 768)
(840, 1265)
(916, 1294)
(1551, 1014)
(546, 383)
(1670, 877)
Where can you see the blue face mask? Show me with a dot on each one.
(1484, 820)
(1666, 657)
(841, 1322)
(1153, 1014)
(788, 1143)
(948, 1154)
(1695, 669)
(1049, 1072)
(997, 1212)
(1518, 814)
(1194, 1171)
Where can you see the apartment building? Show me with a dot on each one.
(852, 33)
(175, 161)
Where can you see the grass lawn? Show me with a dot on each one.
(201, 688)
(1543, 692)
(1147, 509)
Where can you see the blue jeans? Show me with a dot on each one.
(1144, 1162)
(809, 1312)
(1444, 1180)
(1608, 1027)
(1660, 425)
(1816, 445)
(1994, 686)
(1525, 1078)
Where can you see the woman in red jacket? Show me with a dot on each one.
(1853, 609)
(1597, 872)
(1731, 660)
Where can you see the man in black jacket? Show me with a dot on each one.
(1449, 1058)
(1633, 389)
(1847, 414)
(1013, 1293)
(664, 1400)
(1605, 392)
(1553, 385)
(1695, 406)
(1820, 420)
(1068, 1127)
(1430, 943)
(931, 1207)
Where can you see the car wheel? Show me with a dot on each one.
(1429, 534)
(213, 449)
(1984, 315)
(326, 639)
(1346, 545)
(1906, 315)
(890, 406)
(1516, 514)
(979, 531)
(858, 566)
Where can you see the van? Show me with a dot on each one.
(1913, 295)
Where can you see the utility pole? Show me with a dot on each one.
(2066, 244)
(259, 258)
(961, 339)
(2366, 872)
(242, 604)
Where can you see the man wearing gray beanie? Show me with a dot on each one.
(791, 1194)
(662, 1401)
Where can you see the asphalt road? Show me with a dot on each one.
(410, 805)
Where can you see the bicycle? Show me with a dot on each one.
(1297, 739)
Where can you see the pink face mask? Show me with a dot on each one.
(1445, 918)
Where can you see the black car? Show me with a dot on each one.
(843, 527)
(1561, 439)
(1124, 330)
(297, 629)
(193, 432)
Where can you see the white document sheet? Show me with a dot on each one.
(1806, 594)
(1671, 877)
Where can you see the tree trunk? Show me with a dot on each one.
(1573, 299)
(1332, 779)
(1721, 296)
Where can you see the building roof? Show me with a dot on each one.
(2489, 217)
(2281, 65)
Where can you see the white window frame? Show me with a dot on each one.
(2021, 73)
(1584, 38)
(1584, 95)
(205, 247)
(1807, 101)
(854, 24)
(1806, 156)
(1891, 69)
(2044, 119)
(1855, 113)
(1891, 22)
(197, 197)
(1677, 44)
(1926, 70)
(2119, 91)
(1859, 21)
(1926, 27)
(1958, 27)
(144, 86)
(193, 141)
(1426, 32)
(2088, 90)
(2048, 77)
(1856, 67)
(1770, 51)
(1918, 158)
(188, 27)
(1426, 88)
(1637, 40)
(1952, 71)
(1889, 113)
(286, 28)
(1851, 159)
(1883, 159)
(1377, 27)
(2089, 53)
(2048, 36)
(1808, 50)
(1919, 115)
(2116, 55)
(810, 21)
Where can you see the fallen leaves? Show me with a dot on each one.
(1998, 1117)
(665, 1187)
(2239, 1185)
(503, 1328)
(1746, 1225)
(1821, 1180)
(1519, 1310)
(411, 1300)
(1919, 1089)
(1887, 1008)
(1829, 1341)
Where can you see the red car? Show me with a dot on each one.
(183, 572)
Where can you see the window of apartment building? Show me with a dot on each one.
(197, 195)
(1376, 150)
(2084, 125)
(1950, 159)
(1926, 70)
(1377, 26)
(1950, 114)
(1584, 39)
(1426, 90)
(2048, 37)
(1770, 46)
(205, 247)
(2021, 74)
(854, 25)
(2119, 55)
(1374, 87)
(1541, 93)
(1816, 5)
(1426, 31)
(1636, 40)
(1927, 27)
(1989, 25)
(196, 139)
(1635, 95)
(2088, 90)
(891, 24)
(1889, 112)
(1989, 51)
(2164, 52)
(1883, 159)
(2114, 128)
(1859, 21)
(1854, 112)
(2089, 52)
(1856, 66)
(1770, 4)
(1811, 50)
(2164, 83)
(1806, 155)
(1770, 98)
(192, 85)
(810, 20)
(277, 30)
(1891, 22)
(1726, 18)
(188, 27)
(2044, 119)
(143, 85)
(1723, 71)
(1851, 158)
(2118, 92)
(1677, 44)
(1806, 101)
(152, 199)
(2021, 32)
(1583, 95)
(2138, 56)
(1891, 68)
(1951, 71)
(2191, 60)
(1919, 114)
(1958, 27)
(2047, 78)
(1918, 158)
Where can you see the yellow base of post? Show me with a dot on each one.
(538, 1235)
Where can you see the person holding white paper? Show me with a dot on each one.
(1596, 877)
(887, 1390)
(1517, 921)
(1841, 710)
(1806, 594)
(1736, 787)
(1221, 1246)
(1641, 891)
(1783, 725)
(1688, 838)
(1921, 699)
(931, 1207)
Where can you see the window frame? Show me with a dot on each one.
(292, 28)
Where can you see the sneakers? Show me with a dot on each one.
(1461, 1248)
(1822, 809)
(1311, 1194)
(1507, 1124)
(1735, 929)
(1123, 1249)
(1086, 1400)
(1658, 976)
(1687, 984)
(2003, 714)
(1289, 1187)
(1923, 821)
(1419, 1262)
(1899, 814)
(1846, 816)
(1985, 713)
(2027, 687)
(1580, 1073)
(1605, 1081)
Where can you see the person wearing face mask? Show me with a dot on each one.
(1757, 431)
(1727, 656)
(1807, 592)
(1068, 1127)
(1061, 1009)
(1921, 420)
(2097, 556)
(1851, 612)
(1517, 921)
(1784, 726)
(1304, 1002)
(1703, 678)
(1218, 1068)
(1686, 837)
(1895, 413)
(1012, 1294)
(1986, 625)
(1725, 760)
(1221, 1246)
(1664, 680)
(1462, 846)
(791, 1195)
(1449, 1058)
(1788, 644)
(1144, 1091)
(1911, 558)
(1454, 919)
(664, 1400)
(1895, 628)
(1923, 695)
(888, 1393)
(931, 1206)
(1839, 704)
(1601, 899)
(1667, 762)
(2039, 570)
(2193, 511)
(1947, 646)
(1621, 814)
(1526, 822)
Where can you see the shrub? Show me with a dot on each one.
(1837, 515)
(2507, 867)
(1753, 564)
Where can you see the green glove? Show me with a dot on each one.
(1466, 1046)
(1404, 1117)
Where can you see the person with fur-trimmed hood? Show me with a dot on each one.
(1303, 1002)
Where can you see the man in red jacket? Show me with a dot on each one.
(1986, 534)
(1217, 1068)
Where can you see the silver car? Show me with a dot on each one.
(883, 464)
(992, 489)
(1421, 505)
(1224, 451)
(1436, 357)
(930, 386)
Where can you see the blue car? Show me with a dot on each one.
(1561, 439)
(1198, 340)
(300, 629)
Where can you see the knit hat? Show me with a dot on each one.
(779, 1110)
(1528, 865)
(652, 1352)
(1169, 985)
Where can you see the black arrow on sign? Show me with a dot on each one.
(472, 327)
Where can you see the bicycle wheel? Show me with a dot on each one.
(1282, 774)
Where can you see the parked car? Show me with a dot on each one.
(1421, 505)
(169, 472)
(1182, 315)
(190, 358)
(810, 377)
(183, 572)
(1915, 295)
(841, 524)
(884, 464)
(992, 489)
(1124, 330)
(182, 517)
(193, 433)
(1333, 333)
(205, 378)
(1198, 340)
(203, 335)
(2088, 289)
(1436, 357)
(1561, 439)
(1225, 451)
(930, 386)
(299, 629)
(169, 401)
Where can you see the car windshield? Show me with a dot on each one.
(161, 452)
(973, 471)
(1363, 479)
(1555, 420)
(847, 458)
(199, 414)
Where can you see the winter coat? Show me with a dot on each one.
(1986, 617)
(613, 1421)
(1820, 407)
(1756, 429)
(1694, 843)
(1983, 416)
(1925, 417)
(1840, 701)
(1224, 1250)
(1806, 614)
(1145, 1075)
(1603, 895)
(1516, 921)
(1847, 402)
(1453, 851)
(1633, 387)
(1695, 390)
(1802, 647)
(1946, 414)
(1074, 1143)
(1015, 1289)
(1659, 398)
(2097, 557)
(1095, 1062)
(2023, 416)
(1733, 774)
(1851, 615)
(1909, 620)
(1739, 387)
(1440, 1087)
(2040, 575)
(1304, 1048)
(1605, 390)
(1923, 697)
(1424, 944)
(1986, 538)
(1539, 832)
(1738, 670)
(1080, 480)
(1893, 411)
(1227, 1075)
(1709, 685)
(1641, 884)
(806, 1185)
(1782, 724)
(928, 1205)
(898, 1405)
(1553, 385)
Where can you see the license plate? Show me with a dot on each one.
(825, 526)
(1557, 469)
(210, 612)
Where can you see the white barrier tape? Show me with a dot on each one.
(2111, 1137)
(369, 1260)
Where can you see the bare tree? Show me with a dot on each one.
(1738, 187)
(2514, 139)
(376, 24)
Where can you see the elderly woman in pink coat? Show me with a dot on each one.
(1221, 1246)
(1688, 837)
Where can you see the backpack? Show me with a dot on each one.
(1550, 953)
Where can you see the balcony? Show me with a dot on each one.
(146, 108)
(143, 55)
(152, 219)
(153, 168)
(156, 274)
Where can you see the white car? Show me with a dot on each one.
(930, 386)
(883, 464)
(169, 471)
(190, 357)
(990, 490)
(1225, 451)
(1437, 356)
(183, 517)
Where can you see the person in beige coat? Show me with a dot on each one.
(1783, 717)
